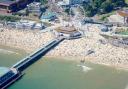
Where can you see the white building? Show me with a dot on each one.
(68, 32)
(72, 2)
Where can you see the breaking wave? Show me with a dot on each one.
(7, 51)
(84, 68)
(126, 87)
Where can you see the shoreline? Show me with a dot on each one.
(75, 50)
(67, 58)
(77, 59)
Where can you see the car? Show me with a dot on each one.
(11, 24)
(104, 28)
(86, 20)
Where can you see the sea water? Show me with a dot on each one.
(53, 73)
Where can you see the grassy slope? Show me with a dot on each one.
(126, 1)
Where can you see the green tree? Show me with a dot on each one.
(106, 7)
(103, 6)
(43, 2)
(67, 11)
(90, 11)
(97, 3)
(118, 3)
(126, 1)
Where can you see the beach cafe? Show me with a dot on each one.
(67, 32)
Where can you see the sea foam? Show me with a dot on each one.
(126, 87)
(84, 68)
(7, 51)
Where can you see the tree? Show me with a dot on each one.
(118, 3)
(27, 12)
(126, 1)
(67, 11)
(43, 2)
(103, 6)
(106, 7)
(90, 11)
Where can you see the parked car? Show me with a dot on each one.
(86, 20)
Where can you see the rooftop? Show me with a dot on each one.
(48, 15)
(3, 70)
(123, 13)
(7, 2)
(66, 30)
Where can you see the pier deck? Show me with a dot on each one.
(6, 79)
(21, 65)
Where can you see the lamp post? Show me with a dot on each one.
(127, 20)
(124, 19)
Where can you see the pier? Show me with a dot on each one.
(15, 72)
(22, 64)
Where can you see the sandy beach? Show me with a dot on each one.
(102, 52)
(89, 48)
(27, 40)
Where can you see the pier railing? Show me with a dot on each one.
(22, 64)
